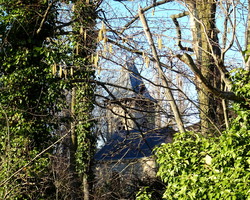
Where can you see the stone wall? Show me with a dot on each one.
(122, 178)
(121, 115)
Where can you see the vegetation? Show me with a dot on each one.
(190, 54)
(27, 89)
(212, 162)
(43, 108)
(210, 167)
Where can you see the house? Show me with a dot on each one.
(127, 156)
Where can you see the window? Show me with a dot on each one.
(121, 126)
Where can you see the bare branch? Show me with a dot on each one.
(165, 82)
(178, 30)
(44, 17)
(144, 10)
(32, 160)
(233, 25)
(130, 115)
(141, 53)
(187, 59)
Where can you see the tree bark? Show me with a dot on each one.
(247, 64)
(206, 48)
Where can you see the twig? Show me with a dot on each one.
(144, 10)
(32, 160)
(178, 30)
(44, 17)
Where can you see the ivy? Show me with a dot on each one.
(199, 167)
(143, 194)
(29, 99)
(37, 74)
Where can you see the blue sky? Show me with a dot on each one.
(120, 13)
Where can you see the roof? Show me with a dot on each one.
(132, 80)
(132, 144)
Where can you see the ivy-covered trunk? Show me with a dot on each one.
(83, 141)
(207, 51)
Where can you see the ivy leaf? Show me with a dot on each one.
(208, 160)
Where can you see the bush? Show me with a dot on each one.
(199, 167)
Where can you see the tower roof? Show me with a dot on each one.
(131, 80)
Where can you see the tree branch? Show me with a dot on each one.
(141, 54)
(165, 82)
(144, 10)
(187, 59)
(178, 30)
(44, 17)
(130, 115)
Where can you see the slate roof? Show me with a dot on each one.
(131, 144)
(132, 80)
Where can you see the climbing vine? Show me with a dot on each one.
(30, 99)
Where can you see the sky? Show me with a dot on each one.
(120, 13)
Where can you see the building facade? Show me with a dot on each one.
(132, 135)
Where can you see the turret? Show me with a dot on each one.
(133, 108)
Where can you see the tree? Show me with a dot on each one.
(210, 168)
(47, 93)
(27, 90)
(83, 140)
(201, 61)
(208, 61)
(206, 34)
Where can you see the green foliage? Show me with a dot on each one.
(30, 96)
(198, 167)
(241, 84)
(35, 75)
(143, 194)
(195, 167)
(83, 107)
(84, 19)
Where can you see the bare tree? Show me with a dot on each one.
(200, 57)
(184, 52)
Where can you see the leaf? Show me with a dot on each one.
(208, 160)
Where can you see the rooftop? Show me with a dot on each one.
(132, 80)
(132, 144)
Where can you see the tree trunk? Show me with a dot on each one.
(206, 48)
(74, 182)
(165, 83)
(82, 137)
(247, 64)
